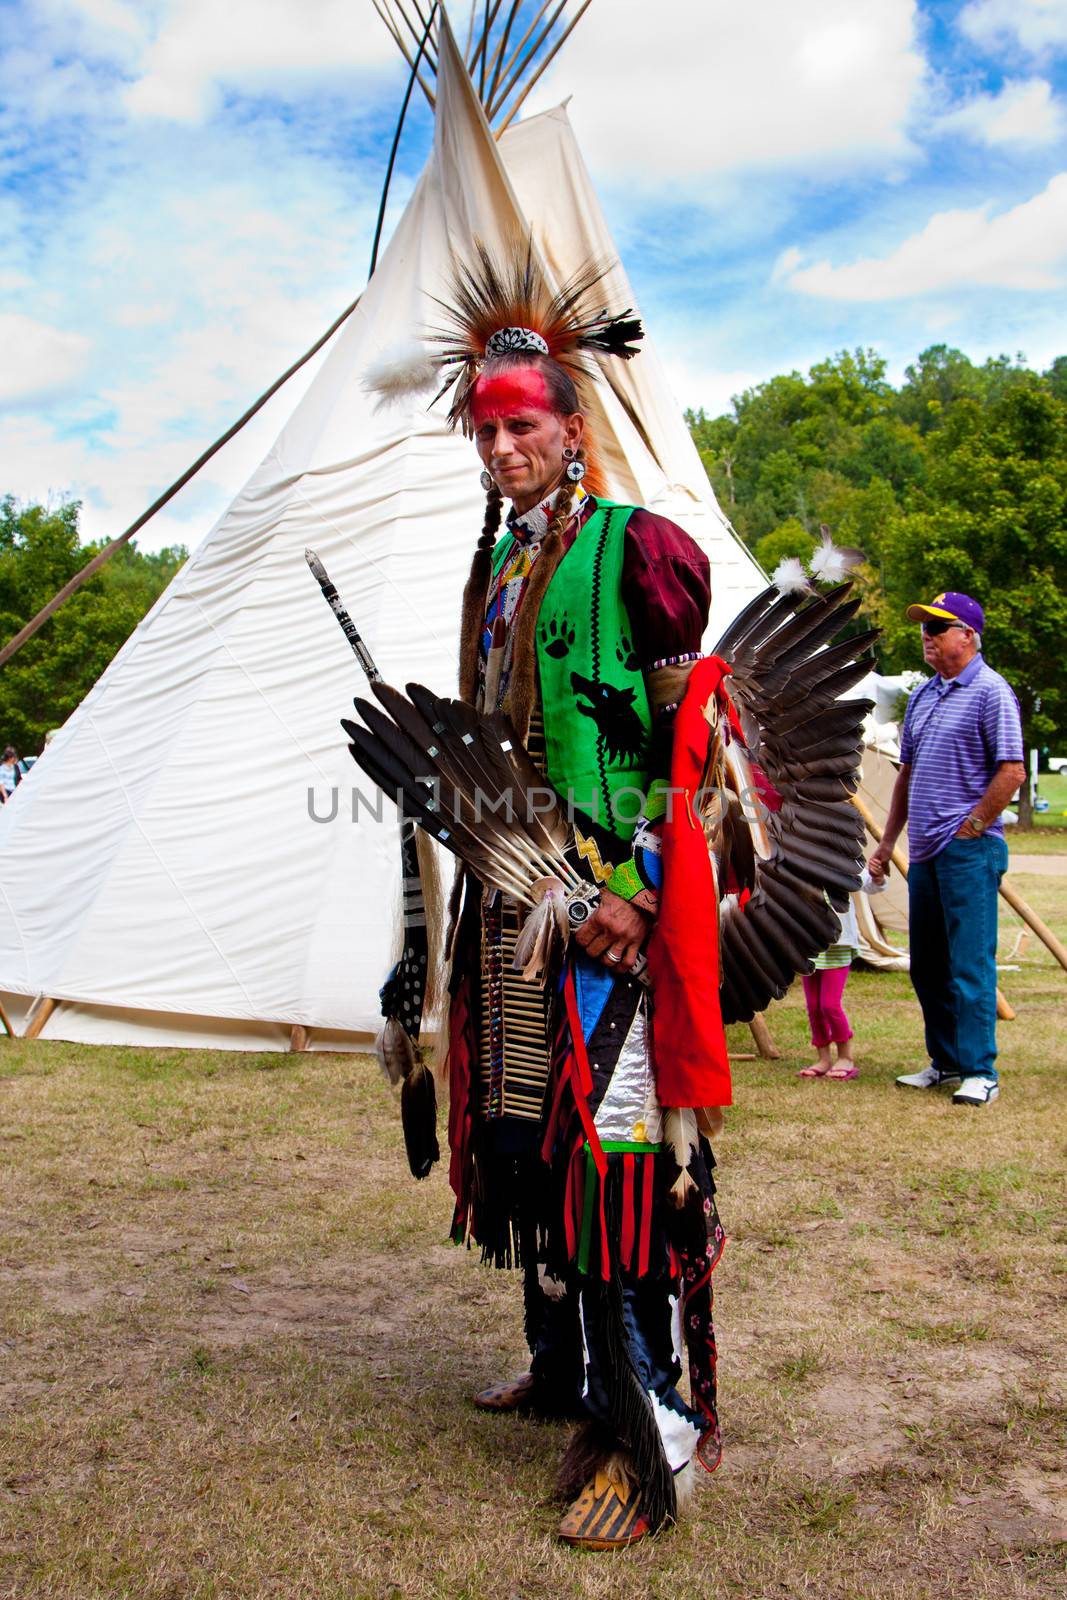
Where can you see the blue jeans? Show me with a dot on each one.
(952, 933)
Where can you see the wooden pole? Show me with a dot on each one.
(39, 1018)
(108, 551)
(498, 53)
(516, 53)
(534, 48)
(410, 26)
(876, 834)
(6, 1020)
(480, 58)
(396, 143)
(1004, 1010)
(760, 1032)
(547, 62)
(1032, 920)
(402, 47)
(298, 1038)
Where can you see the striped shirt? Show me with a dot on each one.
(956, 733)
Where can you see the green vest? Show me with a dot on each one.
(595, 706)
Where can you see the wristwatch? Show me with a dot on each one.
(976, 823)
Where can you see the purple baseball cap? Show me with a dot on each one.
(951, 607)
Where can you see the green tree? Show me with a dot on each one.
(1056, 377)
(990, 519)
(791, 538)
(52, 673)
(794, 444)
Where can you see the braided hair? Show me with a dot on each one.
(564, 399)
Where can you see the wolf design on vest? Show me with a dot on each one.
(612, 709)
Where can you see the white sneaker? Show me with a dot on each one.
(976, 1092)
(930, 1077)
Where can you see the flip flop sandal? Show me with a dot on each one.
(843, 1077)
(814, 1072)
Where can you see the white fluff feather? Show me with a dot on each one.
(401, 374)
(789, 576)
(829, 564)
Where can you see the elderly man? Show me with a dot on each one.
(961, 756)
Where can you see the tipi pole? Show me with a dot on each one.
(1032, 920)
(1004, 1008)
(502, 44)
(480, 58)
(401, 46)
(39, 1018)
(414, 32)
(104, 555)
(760, 1032)
(560, 42)
(514, 57)
(425, 23)
(396, 142)
(6, 1020)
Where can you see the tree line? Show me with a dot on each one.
(39, 550)
(955, 479)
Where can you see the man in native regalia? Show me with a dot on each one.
(587, 1073)
(581, 619)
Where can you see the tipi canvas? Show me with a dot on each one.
(183, 866)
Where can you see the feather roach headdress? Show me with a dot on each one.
(505, 306)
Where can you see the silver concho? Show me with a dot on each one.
(506, 340)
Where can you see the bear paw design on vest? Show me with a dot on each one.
(625, 655)
(557, 636)
(612, 709)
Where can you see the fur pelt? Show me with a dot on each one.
(520, 696)
(591, 1450)
(472, 621)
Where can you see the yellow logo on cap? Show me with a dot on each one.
(938, 599)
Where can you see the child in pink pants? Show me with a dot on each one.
(823, 991)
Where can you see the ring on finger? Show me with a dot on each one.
(612, 956)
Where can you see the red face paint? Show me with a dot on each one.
(505, 394)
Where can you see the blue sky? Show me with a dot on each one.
(188, 193)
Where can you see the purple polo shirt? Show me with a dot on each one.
(956, 733)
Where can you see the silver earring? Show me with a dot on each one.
(487, 481)
(576, 471)
(568, 454)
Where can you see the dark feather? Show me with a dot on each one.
(418, 1117)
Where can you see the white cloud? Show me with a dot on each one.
(789, 260)
(39, 361)
(1035, 25)
(195, 264)
(1024, 248)
(201, 47)
(718, 87)
(110, 16)
(704, 387)
(1023, 112)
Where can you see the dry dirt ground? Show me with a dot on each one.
(236, 1352)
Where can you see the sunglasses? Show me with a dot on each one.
(933, 629)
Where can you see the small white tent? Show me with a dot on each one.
(183, 867)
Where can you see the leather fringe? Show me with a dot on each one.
(630, 1418)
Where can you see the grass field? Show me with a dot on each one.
(1052, 786)
(237, 1352)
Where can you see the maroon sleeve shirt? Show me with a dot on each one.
(666, 585)
(666, 588)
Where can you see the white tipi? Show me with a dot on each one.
(183, 866)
